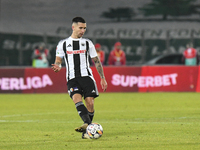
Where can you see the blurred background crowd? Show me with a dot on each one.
(125, 32)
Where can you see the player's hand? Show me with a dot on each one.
(55, 68)
(104, 84)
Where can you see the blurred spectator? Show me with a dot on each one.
(117, 56)
(40, 56)
(190, 56)
(100, 53)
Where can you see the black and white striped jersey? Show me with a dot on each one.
(76, 53)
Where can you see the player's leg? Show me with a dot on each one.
(75, 92)
(82, 111)
(90, 92)
(89, 101)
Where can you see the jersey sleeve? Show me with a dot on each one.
(92, 50)
(59, 50)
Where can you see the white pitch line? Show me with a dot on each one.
(19, 120)
(134, 120)
(36, 114)
(39, 121)
(115, 122)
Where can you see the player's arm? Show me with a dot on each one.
(57, 65)
(99, 68)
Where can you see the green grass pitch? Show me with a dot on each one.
(139, 121)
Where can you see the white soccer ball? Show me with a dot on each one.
(94, 130)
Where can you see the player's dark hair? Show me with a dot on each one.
(78, 19)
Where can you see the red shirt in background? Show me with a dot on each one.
(100, 53)
(101, 56)
(190, 57)
(190, 53)
(37, 52)
(117, 56)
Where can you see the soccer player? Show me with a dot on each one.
(80, 81)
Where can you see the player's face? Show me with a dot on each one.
(79, 29)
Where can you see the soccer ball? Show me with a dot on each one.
(94, 130)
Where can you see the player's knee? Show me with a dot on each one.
(77, 98)
(89, 103)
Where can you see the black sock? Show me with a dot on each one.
(91, 115)
(83, 112)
